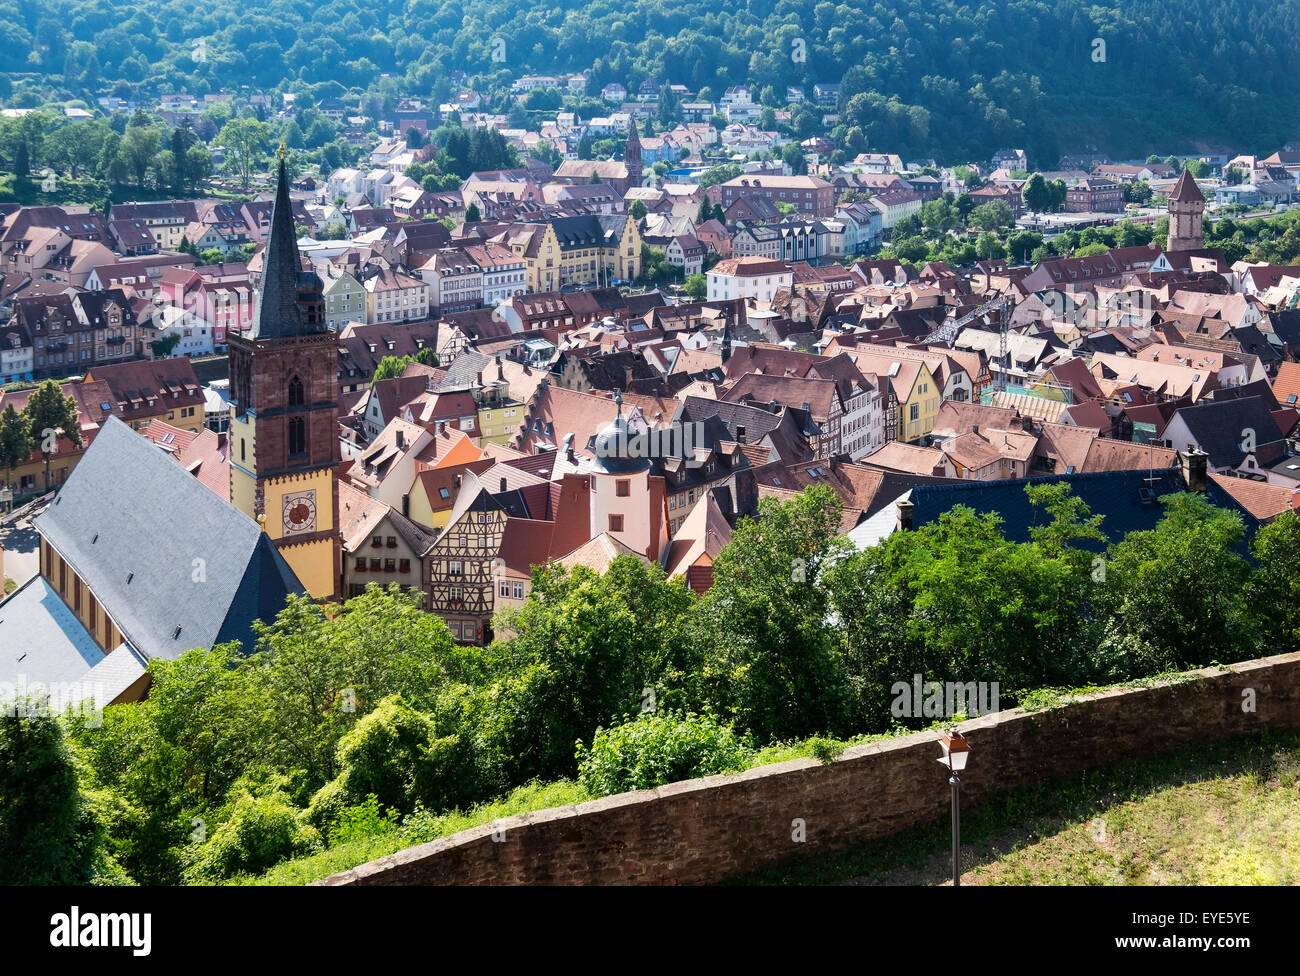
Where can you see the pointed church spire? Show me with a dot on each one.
(277, 314)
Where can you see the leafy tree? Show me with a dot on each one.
(792, 155)
(696, 287)
(51, 415)
(987, 247)
(1273, 593)
(938, 217)
(140, 145)
(907, 227)
(23, 163)
(244, 140)
(181, 141)
(1174, 594)
(318, 671)
(994, 215)
(637, 211)
(773, 664)
(49, 834)
(1022, 243)
(16, 444)
(546, 153)
(389, 367)
(1058, 189)
(1036, 193)
(912, 249)
(585, 651)
(75, 147)
(1138, 191)
(472, 215)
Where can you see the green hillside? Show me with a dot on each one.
(941, 78)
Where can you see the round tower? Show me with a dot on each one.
(620, 484)
(1186, 215)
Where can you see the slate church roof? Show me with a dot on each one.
(178, 569)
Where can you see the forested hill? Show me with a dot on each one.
(920, 76)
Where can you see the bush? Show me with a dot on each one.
(395, 755)
(259, 833)
(367, 819)
(655, 749)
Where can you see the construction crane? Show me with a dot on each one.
(950, 327)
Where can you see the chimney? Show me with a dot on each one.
(503, 484)
(406, 506)
(740, 433)
(1194, 464)
(905, 508)
(1027, 424)
(401, 439)
(974, 428)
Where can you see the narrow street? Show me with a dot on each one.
(19, 540)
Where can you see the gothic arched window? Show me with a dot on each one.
(297, 436)
(296, 397)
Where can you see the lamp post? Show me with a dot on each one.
(956, 750)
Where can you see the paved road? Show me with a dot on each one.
(20, 541)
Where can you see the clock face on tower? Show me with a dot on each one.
(300, 512)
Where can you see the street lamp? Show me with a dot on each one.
(956, 750)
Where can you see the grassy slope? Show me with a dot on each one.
(1219, 814)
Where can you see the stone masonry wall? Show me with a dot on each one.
(705, 830)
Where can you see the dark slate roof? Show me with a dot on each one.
(277, 314)
(1257, 388)
(1117, 495)
(1285, 325)
(1219, 427)
(588, 230)
(757, 421)
(103, 531)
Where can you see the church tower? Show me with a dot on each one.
(1186, 210)
(632, 155)
(284, 441)
(621, 498)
